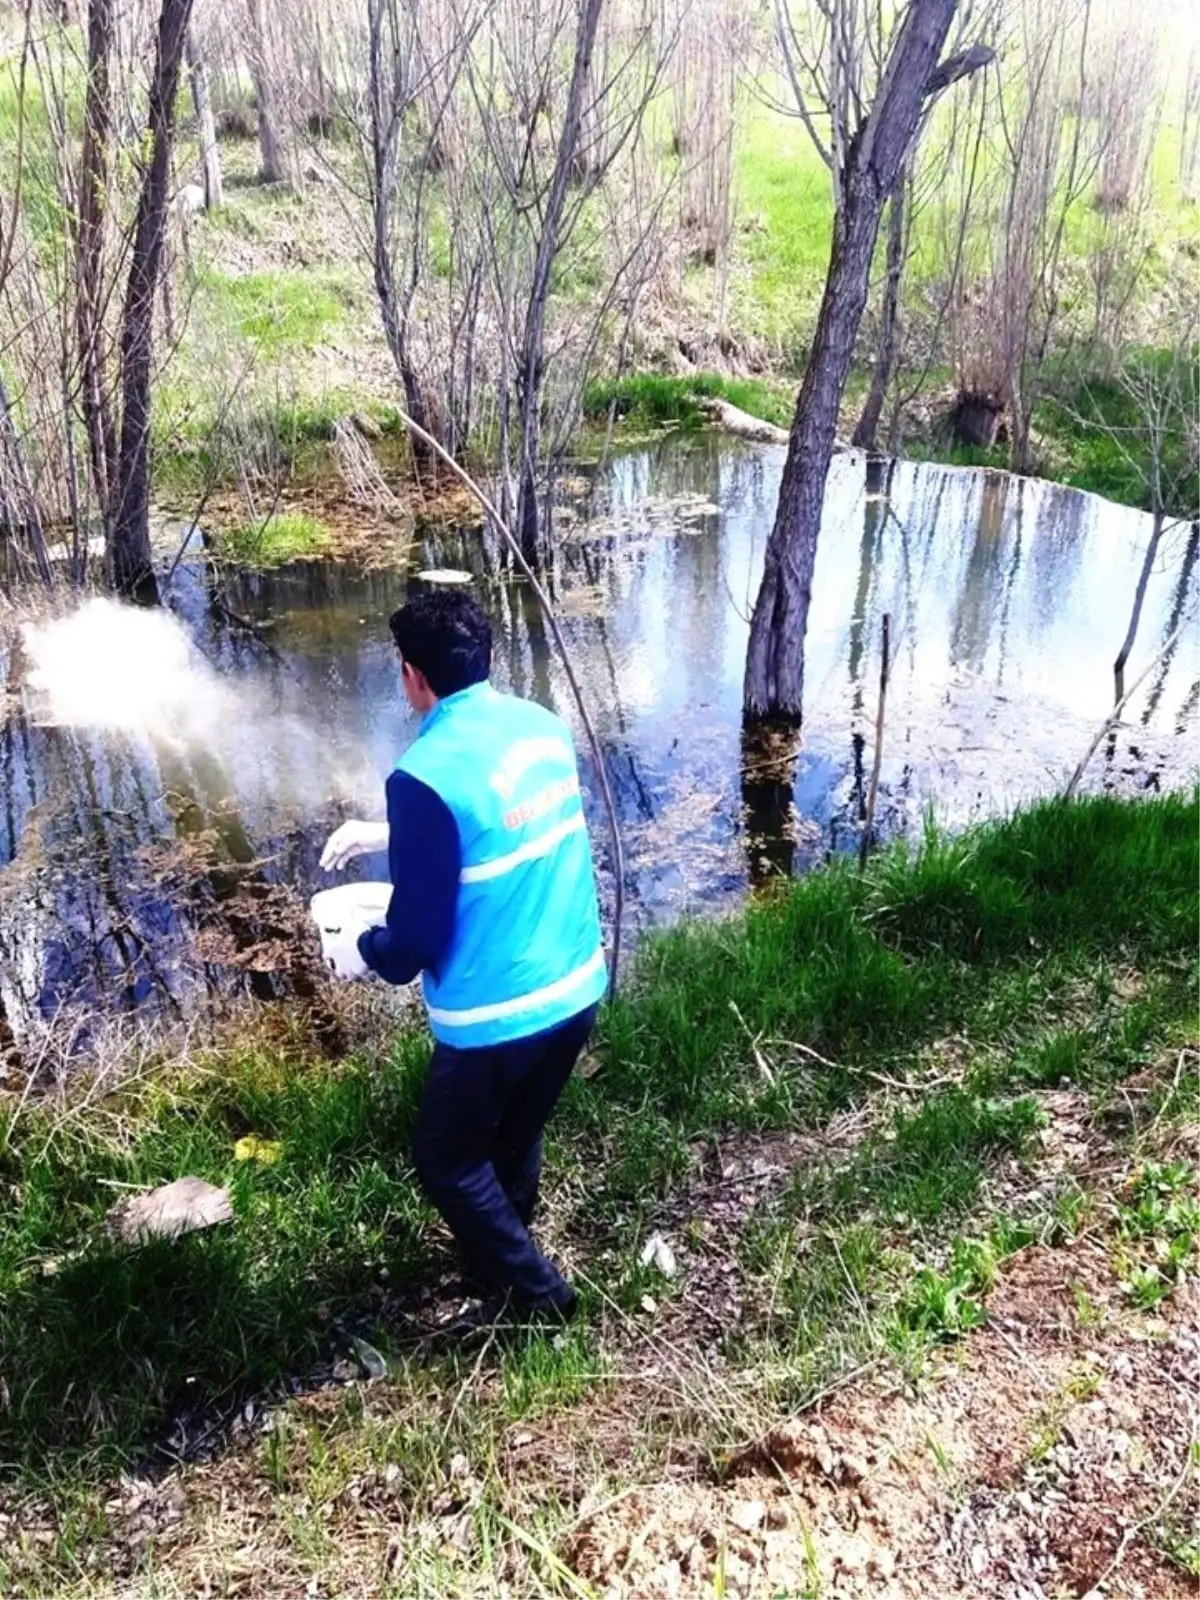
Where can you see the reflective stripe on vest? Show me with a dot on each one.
(525, 1002)
(532, 851)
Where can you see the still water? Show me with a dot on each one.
(157, 869)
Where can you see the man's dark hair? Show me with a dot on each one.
(445, 634)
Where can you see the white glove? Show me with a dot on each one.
(340, 952)
(353, 839)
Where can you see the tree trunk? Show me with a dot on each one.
(396, 334)
(90, 293)
(272, 165)
(1189, 138)
(1139, 598)
(975, 420)
(20, 514)
(885, 357)
(530, 373)
(774, 682)
(740, 423)
(210, 153)
(387, 104)
(129, 543)
(1020, 431)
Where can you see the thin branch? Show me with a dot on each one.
(873, 793)
(957, 67)
(1116, 713)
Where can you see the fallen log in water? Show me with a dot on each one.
(736, 421)
(741, 423)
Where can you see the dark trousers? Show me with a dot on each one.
(478, 1150)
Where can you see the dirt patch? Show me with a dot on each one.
(706, 1218)
(1021, 1466)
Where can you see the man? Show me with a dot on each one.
(494, 902)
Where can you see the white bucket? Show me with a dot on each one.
(348, 911)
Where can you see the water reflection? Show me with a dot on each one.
(134, 871)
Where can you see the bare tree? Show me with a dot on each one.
(1123, 94)
(80, 298)
(1155, 430)
(1115, 264)
(938, 205)
(530, 359)
(20, 512)
(210, 153)
(617, 61)
(867, 427)
(489, 134)
(129, 554)
(91, 287)
(704, 101)
(875, 96)
(1052, 158)
(1189, 137)
(273, 164)
(413, 76)
(1010, 309)
(394, 72)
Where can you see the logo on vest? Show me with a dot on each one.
(545, 800)
(523, 754)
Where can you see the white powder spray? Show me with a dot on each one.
(124, 670)
(113, 668)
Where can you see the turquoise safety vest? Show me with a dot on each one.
(526, 952)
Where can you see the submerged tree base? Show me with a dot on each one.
(770, 751)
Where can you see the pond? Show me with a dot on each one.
(161, 813)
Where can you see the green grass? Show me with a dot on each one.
(784, 204)
(1091, 433)
(981, 930)
(1007, 938)
(26, 121)
(1095, 431)
(276, 311)
(836, 1283)
(929, 1163)
(284, 536)
(1092, 436)
(194, 450)
(113, 1334)
(655, 398)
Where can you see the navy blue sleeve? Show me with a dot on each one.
(424, 859)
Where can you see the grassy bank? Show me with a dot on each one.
(283, 332)
(1058, 947)
(1093, 432)
(281, 537)
(653, 398)
(1088, 431)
